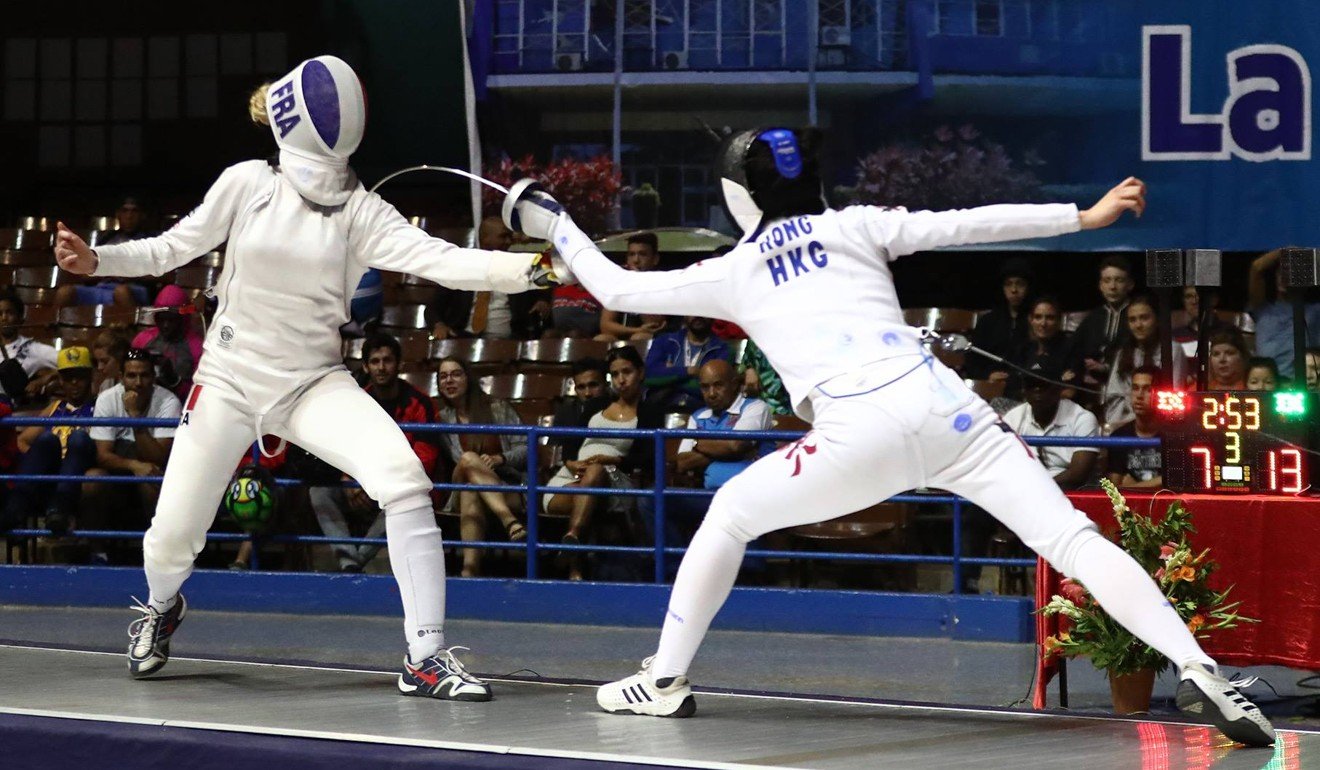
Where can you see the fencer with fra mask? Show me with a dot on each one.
(301, 232)
(813, 288)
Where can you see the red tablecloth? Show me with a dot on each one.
(1268, 548)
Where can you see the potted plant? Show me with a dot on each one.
(1163, 549)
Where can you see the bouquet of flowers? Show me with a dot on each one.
(1163, 550)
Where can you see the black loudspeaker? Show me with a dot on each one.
(1300, 267)
(1176, 268)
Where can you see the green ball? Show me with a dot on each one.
(251, 503)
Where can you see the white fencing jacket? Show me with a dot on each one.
(291, 267)
(815, 292)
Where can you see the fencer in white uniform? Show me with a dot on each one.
(301, 233)
(812, 286)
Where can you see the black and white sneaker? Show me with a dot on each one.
(642, 694)
(442, 676)
(150, 649)
(1202, 692)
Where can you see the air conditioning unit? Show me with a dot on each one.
(835, 37)
(568, 62)
(674, 60)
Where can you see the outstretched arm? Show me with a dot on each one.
(901, 232)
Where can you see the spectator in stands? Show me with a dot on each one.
(489, 314)
(717, 460)
(589, 375)
(1313, 369)
(35, 368)
(1138, 467)
(341, 510)
(1268, 305)
(1262, 373)
(1188, 333)
(605, 462)
(760, 380)
(674, 359)
(1228, 360)
(481, 458)
(643, 255)
(130, 220)
(575, 312)
(1047, 413)
(1142, 346)
(139, 450)
(1003, 329)
(1105, 328)
(1045, 343)
(108, 351)
(62, 449)
(176, 342)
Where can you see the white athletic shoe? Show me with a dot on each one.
(1204, 693)
(640, 694)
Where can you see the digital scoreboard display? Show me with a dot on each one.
(1237, 441)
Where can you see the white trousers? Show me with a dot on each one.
(332, 418)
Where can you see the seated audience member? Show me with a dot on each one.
(1143, 346)
(605, 462)
(1228, 360)
(135, 451)
(1313, 369)
(1139, 467)
(108, 351)
(1188, 333)
(1047, 413)
(718, 460)
(131, 225)
(1105, 328)
(489, 314)
(1269, 307)
(36, 360)
(643, 255)
(761, 381)
(62, 449)
(481, 458)
(574, 312)
(673, 361)
(1262, 374)
(342, 510)
(589, 376)
(1044, 344)
(1003, 329)
(176, 342)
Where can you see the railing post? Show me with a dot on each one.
(957, 545)
(533, 498)
(254, 561)
(658, 501)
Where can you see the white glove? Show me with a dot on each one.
(549, 269)
(529, 209)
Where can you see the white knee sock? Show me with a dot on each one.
(418, 560)
(704, 580)
(1131, 597)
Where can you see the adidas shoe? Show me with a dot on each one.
(150, 649)
(1202, 692)
(641, 694)
(442, 676)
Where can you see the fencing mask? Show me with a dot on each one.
(317, 113)
(768, 172)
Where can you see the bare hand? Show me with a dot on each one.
(141, 468)
(441, 332)
(492, 461)
(72, 252)
(358, 499)
(576, 467)
(1129, 195)
(135, 403)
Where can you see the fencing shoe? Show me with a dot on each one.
(442, 676)
(149, 650)
(1202, 692)
(641, 694)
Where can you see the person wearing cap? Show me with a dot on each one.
(175, 341)
(301, 230)
(1003, 329)
(64, 449)
(1047, 413)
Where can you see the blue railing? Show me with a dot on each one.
(660, 551)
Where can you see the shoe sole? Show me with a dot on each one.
(417, 692)
(685, 709)
(1192, 700)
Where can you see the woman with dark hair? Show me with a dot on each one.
(1142, 347)
(605, 462)
(1228, 360)
(481, 458)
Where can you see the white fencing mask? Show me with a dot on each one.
(317, 113)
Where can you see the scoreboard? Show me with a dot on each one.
(1235, 441)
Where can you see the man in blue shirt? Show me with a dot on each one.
(674, 359)
(1273, 313)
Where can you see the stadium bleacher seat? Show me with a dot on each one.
(396, 319)
(556, 356)
(941, 319)
(482, 356)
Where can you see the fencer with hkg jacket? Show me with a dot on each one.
(301, 233)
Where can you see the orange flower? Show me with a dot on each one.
(1051, 645)
(1184, 573)
(1196, 622)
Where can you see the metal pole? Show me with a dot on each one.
(533, 498)
(957, 546)
(813, 38)
(616, 153)
(658, 500)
